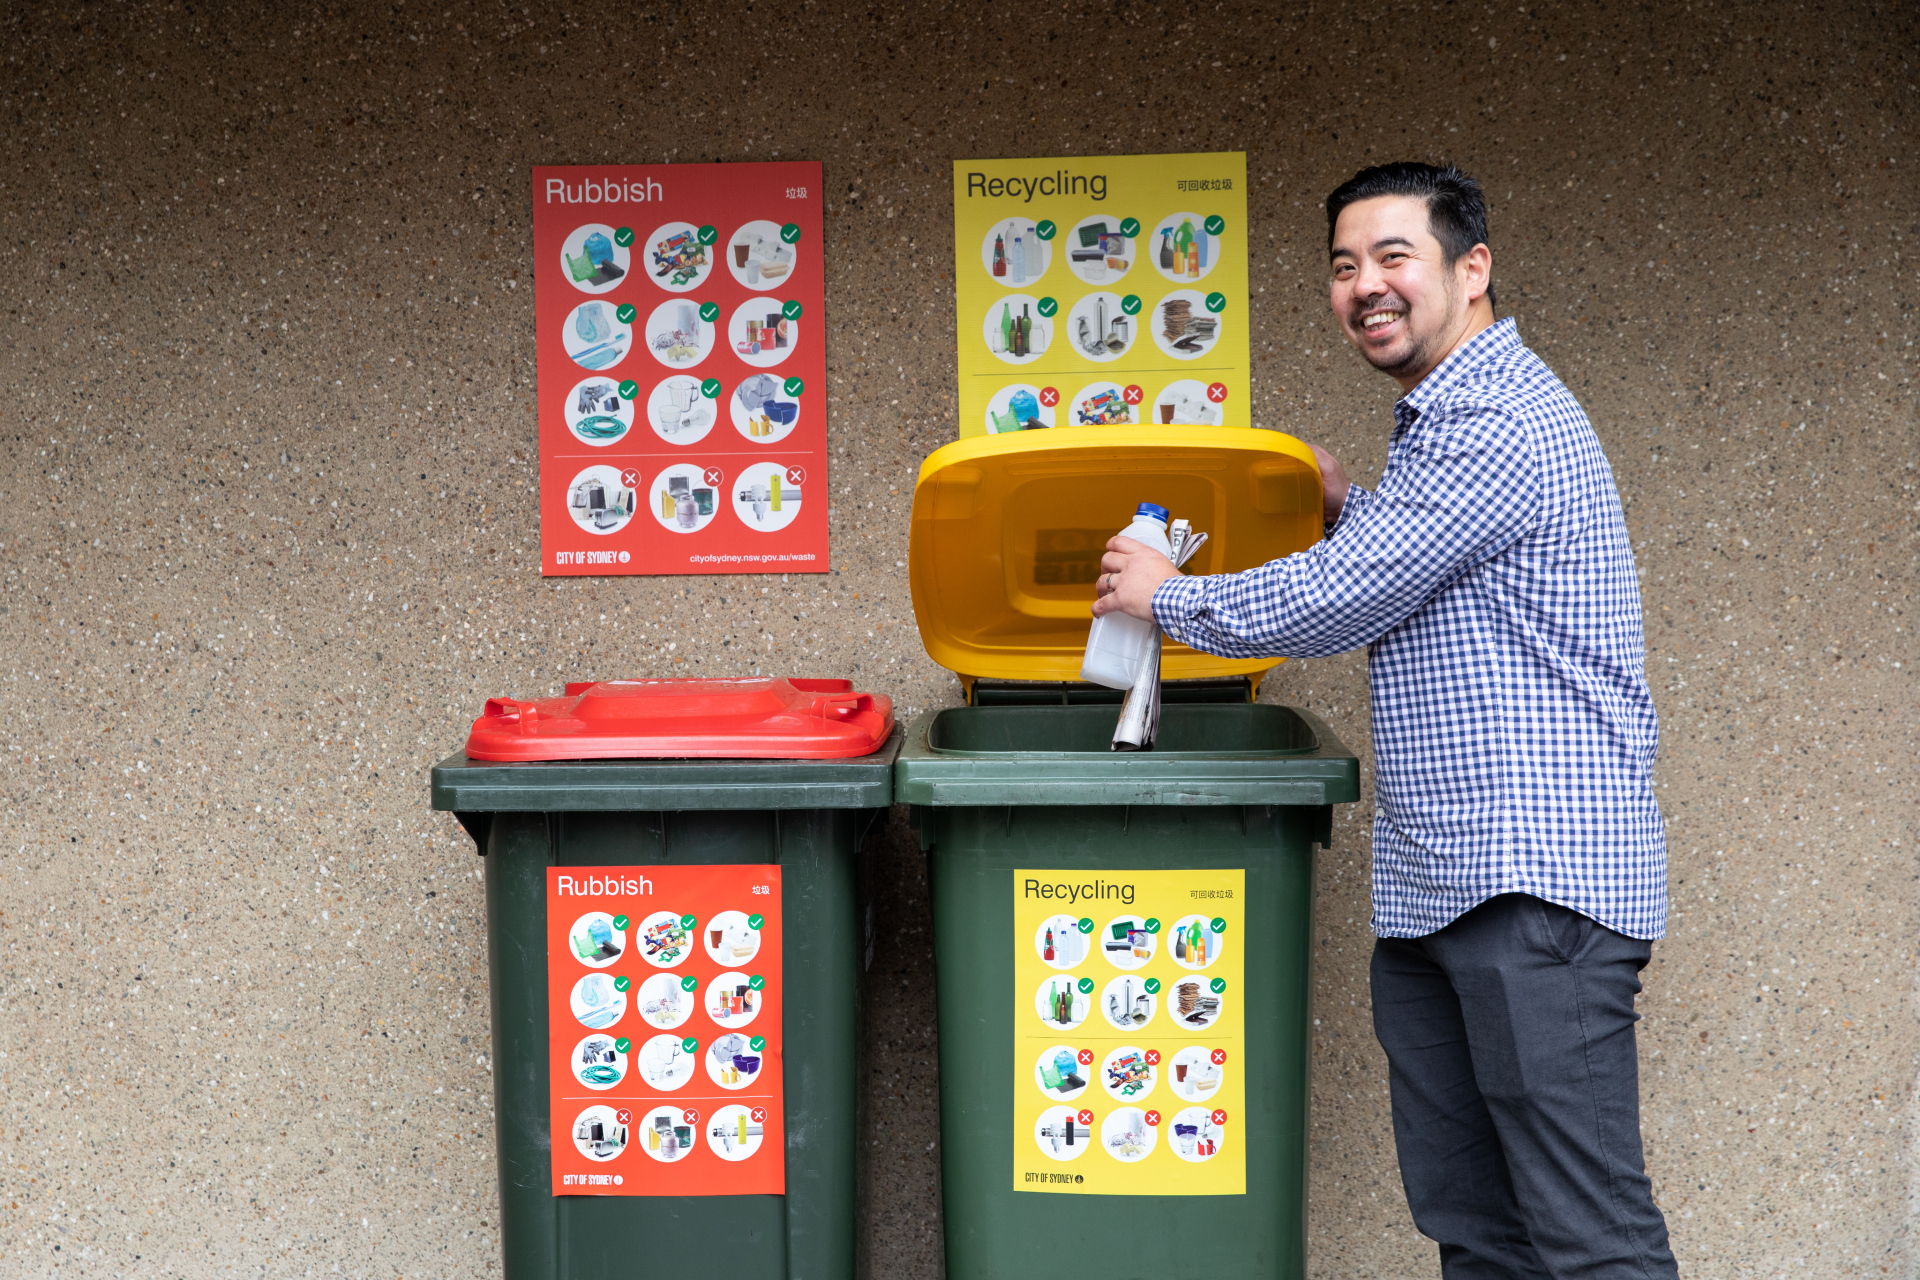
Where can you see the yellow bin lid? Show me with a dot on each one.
(1008, 531)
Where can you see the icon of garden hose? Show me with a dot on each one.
(768, 495)
(599, 1064)
(597, 403)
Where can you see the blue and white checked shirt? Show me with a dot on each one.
(1514, 733)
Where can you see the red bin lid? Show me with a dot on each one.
(629, 719)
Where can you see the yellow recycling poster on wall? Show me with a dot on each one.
(1128, 1032)
(1102, 291)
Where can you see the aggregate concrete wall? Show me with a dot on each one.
(267, 524)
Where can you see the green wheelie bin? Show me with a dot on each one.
(670, 870)
(1123, 940)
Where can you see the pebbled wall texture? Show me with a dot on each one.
(268, 539)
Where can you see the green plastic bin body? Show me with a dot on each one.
(994, 788)
(806, 815)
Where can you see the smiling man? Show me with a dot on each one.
(1519, 872)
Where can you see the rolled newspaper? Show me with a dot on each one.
(1139, 722)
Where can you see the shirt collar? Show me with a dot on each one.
(1498, 338)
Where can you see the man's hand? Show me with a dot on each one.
(1333, 483)
(1130, 573)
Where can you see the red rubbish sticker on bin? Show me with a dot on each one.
(664, 989)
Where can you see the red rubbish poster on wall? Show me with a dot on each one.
(664, 990)
(682, 368)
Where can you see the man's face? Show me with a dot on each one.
(1395, 297)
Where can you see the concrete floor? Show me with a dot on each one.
(268, 541)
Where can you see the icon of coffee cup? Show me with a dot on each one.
(740, 254)
(1166, 413)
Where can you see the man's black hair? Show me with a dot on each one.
(1456, 207)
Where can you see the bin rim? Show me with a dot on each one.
(1326, 774)
(461, 784)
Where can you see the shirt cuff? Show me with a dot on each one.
(1177, 602)
(1356, 499)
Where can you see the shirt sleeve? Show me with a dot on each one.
(1356, 499)
(1463, 487)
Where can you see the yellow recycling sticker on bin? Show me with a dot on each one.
(1102, 291)
(1129, 1032)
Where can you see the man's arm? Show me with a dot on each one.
(1464, 490)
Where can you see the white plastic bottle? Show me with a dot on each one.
(1118, 641)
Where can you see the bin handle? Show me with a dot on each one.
(842, 704)
(507, 709)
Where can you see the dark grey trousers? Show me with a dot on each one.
(1516, 1094)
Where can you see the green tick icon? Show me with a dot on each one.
(621, 922)
(1129, 227)
(1218, 924)
(793, 387)
(687, 922)
(710, 311)
(790, 309)
(1215, 224)
(1153, 925)
(623, 1044)
(623, 237)
(1046, 229)
(622, 982)
(791, 233)
(689, 982)
(757, 1043)
(690, 1044)
(1153, 986)
(1218, 985)
(629, 390)
(1216, 302)
(708, 235)
(760, 922)
(1086, 986)
(1047, 306)
(1131, 304)
(757, 982)
(1085, 925)
(710, 388)
(625, 312)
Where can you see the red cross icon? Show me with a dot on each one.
(1219, 1117)
(1134, 394)
(1086, 1117)
(1049, 397)
(759, 1115)
(1153, 1057)
(630, 478)
(1217, 392)
(796, 475)
(693, 1117)
(624, 1116)
(1153, 1118)
(1219, 1056)
(1086, 1057)
(714, 475)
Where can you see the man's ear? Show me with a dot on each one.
(1476, 272)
